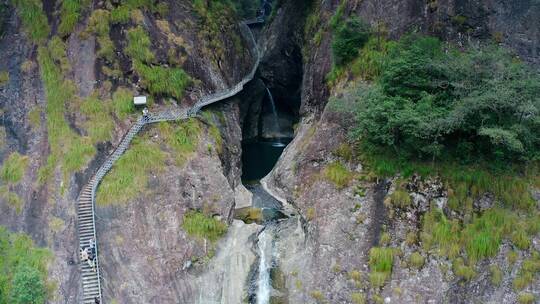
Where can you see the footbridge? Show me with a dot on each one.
(91, 276)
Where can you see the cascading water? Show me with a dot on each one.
(265, 265)
(277, 129)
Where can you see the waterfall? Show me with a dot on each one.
(265, 265)
(275, 117)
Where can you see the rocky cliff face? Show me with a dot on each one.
(325, 254)
(47, 211)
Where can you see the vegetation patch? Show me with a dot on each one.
(381, 260)
(99, 24)
(13, 168)
(33, 19)
(338, 174)
(129, 176)
(23, 269)
(158, 80)
(122, 102)
(4, 77)
(529, 270)
(70, 14)
(432, 101)
(68, 148)
(99, 123)
(182, 137)
(203, 226)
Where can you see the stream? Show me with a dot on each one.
(259, 156)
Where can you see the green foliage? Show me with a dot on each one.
(69, 15)
(23, 269)
(416, 260)
(440, 233)
(99, 24)
(484, 235)
(163, 81)
(358, 298)
(66, 146)
(33, 19)
(99, 123)
(496, 275)
(214, 131)
(13, 168)
(129, 175)
(338, 174)
(349, 37)
(371, 58)
(11, 198)
(529, 269)
(462, 270)
(398, 199)
(122, 102)
(138, 47)
(477, 104)
(526, 298)
(183, 137)
(381, 260)
(157, 79)
(335, 21)
(202, 226)
(28, 287)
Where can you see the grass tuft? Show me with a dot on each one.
(123, 103)
(338, 174)
(13, 168)
(202, 226)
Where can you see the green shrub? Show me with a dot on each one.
(27, 286)
(484, 235)
(416, 260)
(349, 37)
(430, 102)
(202, 226)
(23, 269)
(440, 233)
(13, 168)
(529, 269)
(338, 174)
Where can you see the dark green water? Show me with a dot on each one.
(259, 157)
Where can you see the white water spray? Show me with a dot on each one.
(265, 265)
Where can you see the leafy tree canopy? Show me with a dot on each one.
(432, 99)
